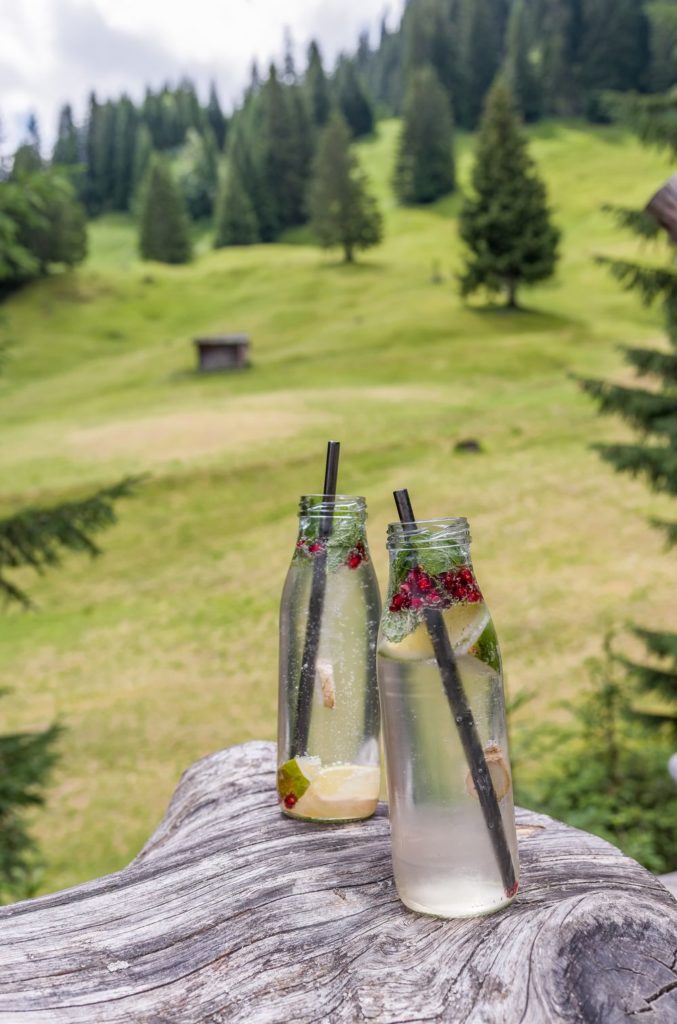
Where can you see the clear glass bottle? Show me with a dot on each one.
(328, 707)
(444, 842)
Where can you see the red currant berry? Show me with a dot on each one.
(397, 602)
(424, 582)
(416, 602)
(466, 575)
(290, 800)
(354, 560)
(315, 547)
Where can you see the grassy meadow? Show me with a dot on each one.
(165, 648)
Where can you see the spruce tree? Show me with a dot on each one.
(479, 56)
(123, 154)
(649, 406)
(429, 38)
(36, 538)
(235, 220)
(353, 101)
(424, 168)
(164, 233)
(199, 172)
(216, 119)
(317, 87)
(520, 71)
(614, 45)
(559, 32)
(66, 148)
(343, 213)
(143, 148)
(284, 141)
(505, 222)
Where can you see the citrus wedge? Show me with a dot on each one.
(340, 792)
(465, 624)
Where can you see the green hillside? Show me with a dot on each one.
(166, 648)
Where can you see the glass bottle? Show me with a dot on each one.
(447, 857)
(328, 707)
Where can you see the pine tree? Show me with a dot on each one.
(424, 168)
(343, 213)
(615, 44)
(353, 101)
(662, 44)
(520, 71)
(235, 220)
(317, 87)
(199, 174)
(163, 223)
(284, 138)
(67, 147)
(215, 117)
(649, 406)
(429, 39)
(480, 56)
(143, 148)
(35, 538)
(123, 154)
(26, 161)
(559, 31)
(505, 223)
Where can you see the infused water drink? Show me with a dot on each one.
(444, 854)
(328, 718)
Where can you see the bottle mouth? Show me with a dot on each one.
(428, 533)
(338, 506)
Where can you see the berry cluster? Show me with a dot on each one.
(353, 559)
(419, 589)
(309, 547)
(357, 556)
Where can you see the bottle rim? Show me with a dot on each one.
(429, 532)
(335, 505)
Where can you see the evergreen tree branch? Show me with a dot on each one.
(651, 361)
(661, 645)
(37, 537)
(638, 221)
(653, 118)
(658, 464)
(650, 282)
(668, 528)
(649, 411)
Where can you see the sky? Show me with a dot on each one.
(57, 51)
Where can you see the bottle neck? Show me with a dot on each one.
(333, 527)
(439, 544)
(430, 565)
(320, 515)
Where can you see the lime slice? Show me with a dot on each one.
(465, 623)
(293, 777)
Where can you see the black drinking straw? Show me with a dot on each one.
(304, 696)
(463, 717)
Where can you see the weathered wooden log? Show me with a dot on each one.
(232, 913)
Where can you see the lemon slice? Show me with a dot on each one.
(339, 792)
(465, 624)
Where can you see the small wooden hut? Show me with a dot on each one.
(222, 352)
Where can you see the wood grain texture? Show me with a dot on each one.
(232, 913)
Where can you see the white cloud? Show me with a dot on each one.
(55, 51)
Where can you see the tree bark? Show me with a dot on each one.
(233, 914)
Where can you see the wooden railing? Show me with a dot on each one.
(231, 913)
